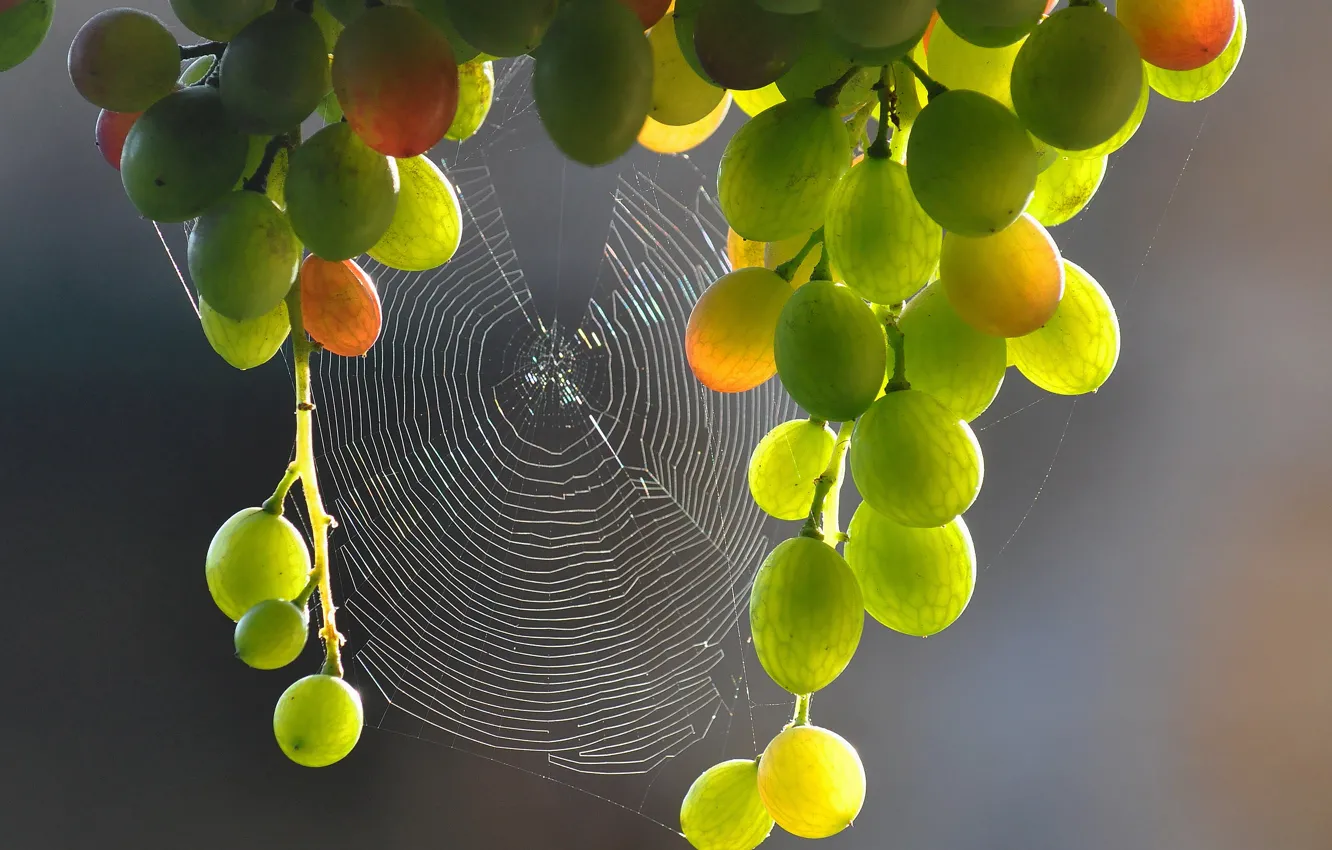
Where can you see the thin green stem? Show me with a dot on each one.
(932, 87)
(274, 503)
(303, 598)
(788, 269)
(887, 114)
(823, 522)
(828, 95)
(855, 127)
(823, 268)
(320, 521)
(802, 710)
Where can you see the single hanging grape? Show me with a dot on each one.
(830, 351)
(723, 811)
(811, 781)
(679, 96)
(1076, 351)
(958, 365)
(427, 222)
(476, 93)
(249, 342)
(339, 306)
(1200, 83)
(318, 720)
(255, 555)
(243, 255)
(1179, 35)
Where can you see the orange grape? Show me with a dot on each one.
(339, 306)
(1008, 284)
(1179, 35)
(729, 338)
(112, 128)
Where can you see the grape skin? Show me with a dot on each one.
(426, 228)
(876, 23)
(1179, 35)
(341, 195)
(1076, 351)
(722, 809)
(271, 634)
(991, 23)
(248, 343)
(318, 720)
(1065, 189)
(959, 64)
(340, 306)
(1125, 133)
(218, 21)
(243, 255)
(754, 101)
(23, 28)
(124, 60)
(811, 781)
(679, 96)
(947, 358)
(1008, 284)
(729, 337)
(275, 72)
(830, 351)
(1201, 83)
(785, 466)
(254, 556)
(476, 93)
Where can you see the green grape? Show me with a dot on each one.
(786, 464)
(679, 96)
(1201, 83)
(1075, 351)
(741, 45)
(427, 224)
(806, 615)
(790, 7)
(216, 20)
(830, 351)
(476, 92)
(989, 23)
(254, 556)
(958, 365)
(318, 720)
(914, 460)
(819, 65)
(1063, 190)
(877, 23)
(1077, 79)
(277, 179)
(182, 155)
(811, 781)
(124, 60)
(243, 255)
(329, 26)
(249, 342)
(341, 195)
(275, 72)
(883, 244)
(1008, 284)
(272, 634)
(196, 70)
(722, 810)
(437, 12)
(511, 28)
(754, 101)
(685, 16)
(916, 581)
(1126, 132)
(780, 168)
(864, 55)
(23, 28)
(959, 64)
(592, 80)
(972, 166)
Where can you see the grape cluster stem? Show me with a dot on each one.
(933, 88)
(824, 520)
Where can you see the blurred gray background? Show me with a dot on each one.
(1147, 663)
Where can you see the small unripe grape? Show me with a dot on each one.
(272, 634)
(341, 195)
(427, 221)
(124, 60)
(785, 466)
(318, 720)
(729, 337)
(723, 810)
(830, 351)
(249, 342)
(1008, 284)
(243, 255)
(811, 781)
(254, 556)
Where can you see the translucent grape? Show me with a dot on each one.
(249, 342)
(830, 351)
(679, 96)
(1065, 189)
(811, 781)
(1008, 284)
(339, 306)
(780, 168)
(785, 465)
(878, 23)
(341, 195)
(243, 255)
(729, 338)
(318, 720)
(183, 154)
(1125, 133)
(124, 60)
(427, 223)
(1179, 35)
(1076, 351)
(916, 581)
(990, 23)
(972, 166)
(275, 72)
(958, 365)
(959, 64)
(503, 29)
(396, 81)
(883, 243)
(23, 28)
(1077, 79)
(914, 460)
(754, 101)
(476, 92)
(255, 556)
(665, 139)
(277, 179)
(776, 253)
(806, 615)
(1200, 83)
(218, 21)
(592, 80)
(742, 253)
(649, 12)
(722, 810)
(112, 128)
(437, 12)
(271, 634)
(740, 45)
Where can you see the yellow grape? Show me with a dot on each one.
(729, 338)
(785, 466)
(1008, 284)
(668, 139)
(811, 781)
(1076, 351)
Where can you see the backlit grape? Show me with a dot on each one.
(339, 306)
(1075, 351)
(511, 28)
(476, 93)
(341, 195)
(1179, 35)
(1200, 83)
(914, 460)
(989, 23)
(785, 465)
(243, 255)
(1008, 284)
(754, 101)
(740, 45)
(666, 139)
(821, 64)
(742, 253)
(218, 21)
(830, 351)
(275, 72)
(959, 64)
(23, 28)
(1065, 188)
(427, 222)
(271, 634)
(112, 128)
(723, 811)
(806, 614)
(124, 60)
(811, 781)
(679, 96)
(958, 365)
(318, 720)
(249, 342)
(1125, 133)
(254, 556)
(729, 338)
(878, 23)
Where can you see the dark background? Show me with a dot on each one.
(1146, 664)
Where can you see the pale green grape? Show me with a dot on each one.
(254, 556)
(1075, 351)
(1190, 86)
(972, 166)
(811, 781)
(723, 811)
(275, 72)
(915, 460)
(959, 64)
(806, 615)
(754, 101)
(427, 222)
(23, 28)
(882, 242)
(476, 93)
(341, 195)
(780, 168)
(958, 365)
(916, 581)
(124, 60)
(318, 720)
(990, 23)
(271, 634)
(218, 20)
(1126, 132)
(679, 95)
(830, 351)
(243, 256)
(1064, 189)
(247, 343)
(785, 466)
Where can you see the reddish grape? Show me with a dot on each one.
(339, 306)
(648, 11)
(112, 128)
(1179, 35)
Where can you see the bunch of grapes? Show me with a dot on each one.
(889, 279)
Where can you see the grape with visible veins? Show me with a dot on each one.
(318, 720)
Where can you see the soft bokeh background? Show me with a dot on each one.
(1146, 663)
